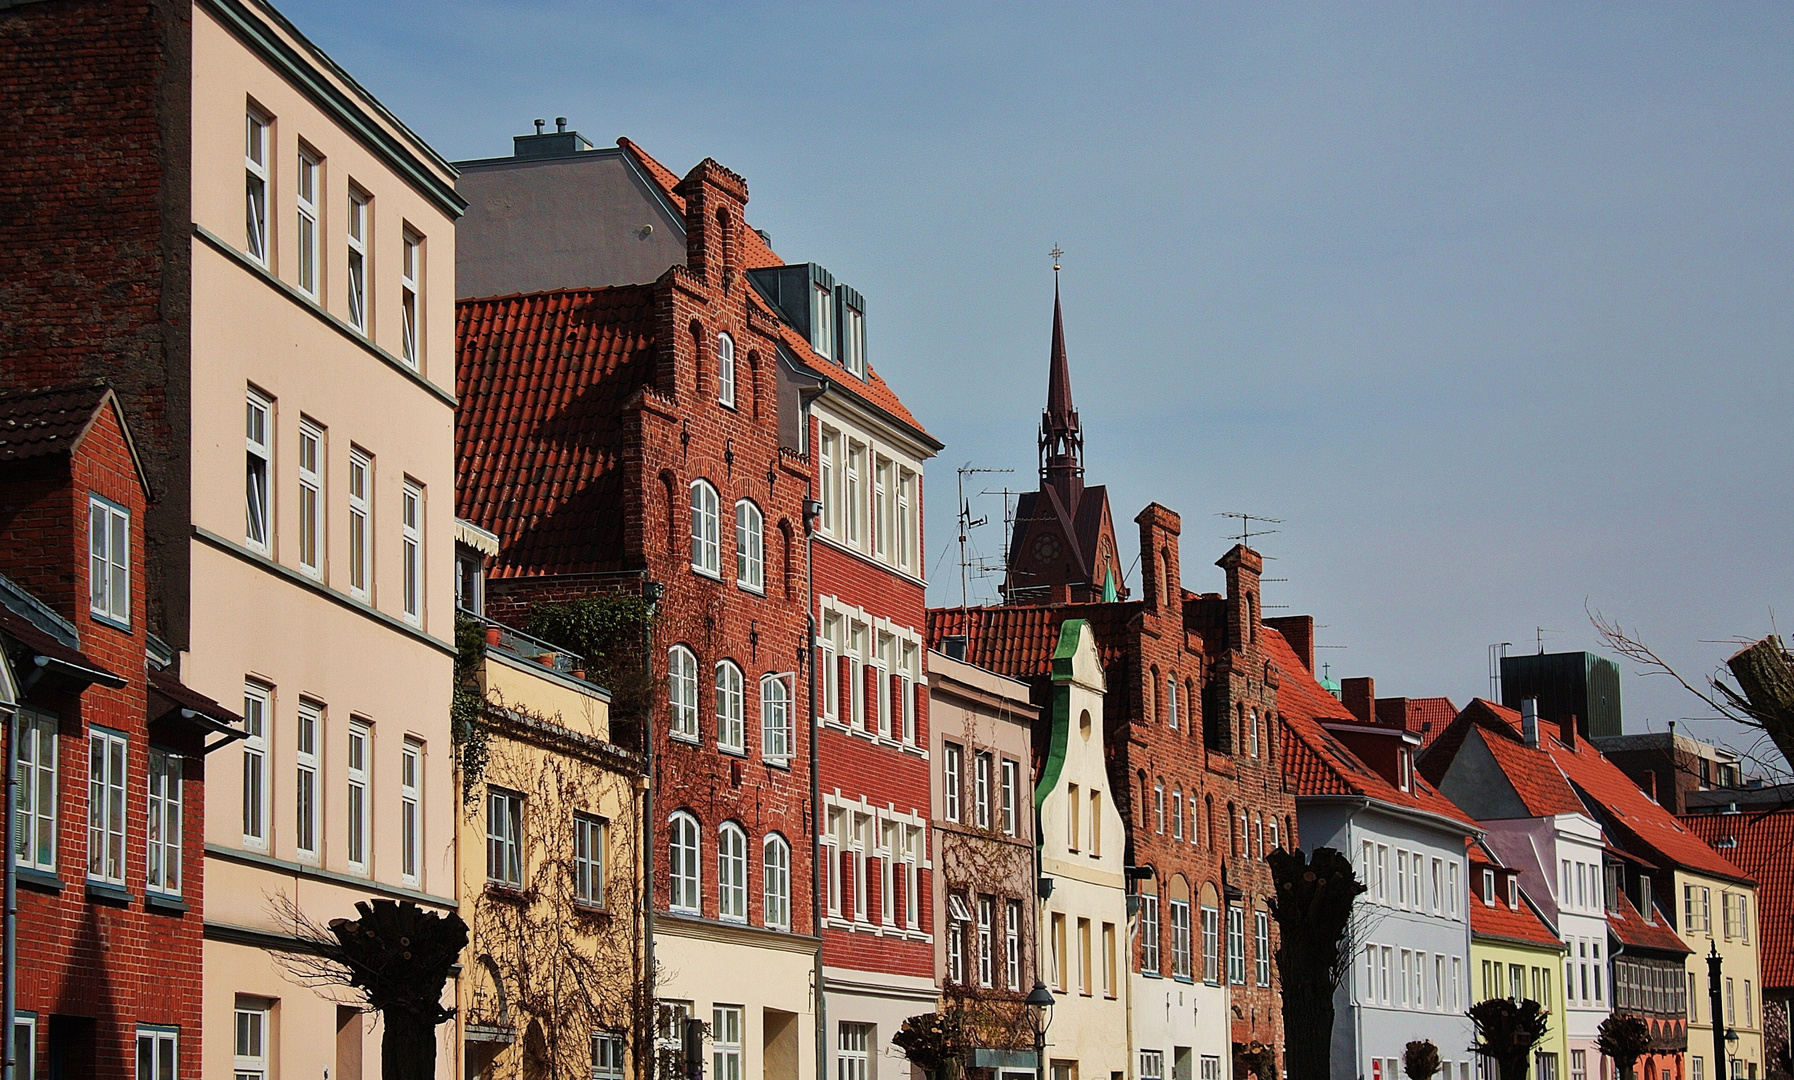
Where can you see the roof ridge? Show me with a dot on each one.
(98, 383)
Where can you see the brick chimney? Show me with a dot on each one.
(715, 199)
(1360, 698)
(1397, 712)
(1566, 730)
(1298, 630)
(1243, 567)
(1159, 572)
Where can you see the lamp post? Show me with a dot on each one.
(1041, 1000)
(1715, 1003)
(1731, 1050)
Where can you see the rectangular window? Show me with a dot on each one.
(258, 443)
(952, 762)
(1084, 957)
(907, 541)
(1073, 814)
(1402, 990)
(1436, 901)
(607, 1056)
(822, 321)
(830, 471)
(1180, 937)
(1386, 976)
(1011, 784)
(255, 766)
(856, 493)
(853, 340)
(1579, 1066)
(307, 234)
(1731, 1003)
(504, 837)
(1012, 944)
(24, 1047)
(981, 790)
(305, 786)
(1171, 702)
(1061, 972)
(106, 755)
(413, 525)
(163, 871)
(1152, 1065)
(1158, 808)
(1749, 1011)
(255, 166)
(109, 561)
(311, 498)
(1149, 933)
(1401, 879)
(956, 947)
(249, 1059)
(1457, 981)
(361, 532)
(856, 671)
(411, 813)
(987, 914)
(853, 1052)
(830, 645)
(1177, 815)
(1096, 824)
(34, 794)
(912, 863)
(359, 754)
(1262, 946)
(883, 662)
(912, 675)
(725, 1042)
(883, 488)
(1236, 945)
(1451, 889)
(411, 344)
(588, 859)
(1109, 960)
(358, 260)
(155, 1054)
(887, 872)
(1382, 874)
(1211, 945)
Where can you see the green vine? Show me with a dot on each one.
(610, 631)
(467, 710)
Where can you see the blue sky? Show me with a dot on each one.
(1490, 303)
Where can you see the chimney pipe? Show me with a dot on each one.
(560, 125)
(540, 124)
(1529, 722)
(1566, 727)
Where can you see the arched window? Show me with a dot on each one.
(729, 732)
(777, 878)
(750, 549)
(683, 846)
(775, 719)
(725, 370)
(731, 873)
(682, 691)
(704, 556)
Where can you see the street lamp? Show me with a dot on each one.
(1041, 1000)
(1731, 1052)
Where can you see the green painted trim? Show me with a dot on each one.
(218, 244)
(1071, 631)
(269, 862)
(212, 539)
(303, 74)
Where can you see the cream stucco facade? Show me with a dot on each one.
(320, 602)
(1703, 924)
(1084, 923)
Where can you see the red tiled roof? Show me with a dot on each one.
(757, 253)
(1432, 715)
(1018, 640)
(48, 421)
(543, 380)
(1765, 851)
(1317, 762)
(1542, 789)
(1632, 930)
(1501, 921)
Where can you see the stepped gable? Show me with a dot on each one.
(1764, 851)
(543, 380)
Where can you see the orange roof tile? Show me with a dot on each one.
(1541, 787)
(1765, 850)
(1632, 931)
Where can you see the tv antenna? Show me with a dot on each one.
(1540, 632)
(1247, 532)
(1497, 653)
(967, 523)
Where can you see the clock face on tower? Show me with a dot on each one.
(1046, 549)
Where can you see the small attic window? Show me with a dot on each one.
(853, 334)
(822, 320)
(1488, 888)
(1404, 766)
(1513, 892)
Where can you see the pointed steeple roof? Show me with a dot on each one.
(1061, 439)
(1059, 410)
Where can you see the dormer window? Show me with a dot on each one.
(1647, 905)
(822, 320)
(853, 331)
(1404, 769)
(1513, 892)
(1488, 888)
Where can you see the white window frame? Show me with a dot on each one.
(1011, 772)
(1181, 943)
(705, 557)
(258, 703)
(952, 781)
(504, 837)
(108, 765)
(750, 547)
(24, 1046)
(822, 320)
(685, 847)
(830, 645)
(725, 370)
(361, 523)
(682, 692)
(725, 1042)
(1151, 962)
(411, 522)
(36, 793)
(411, 811)
(311, 498)
(162, 834)
(589, 842)
(258, 445)
(307, 805)
(853, 339)
(731, 873)
(255, 196)
(162, 1045)
(608, 1060)
(775, 719)
(908, 543)
(910, 676)
(309, 180)
(411, 344)
(987, 944)
(775, 879)
(109, 561)
(357, 280)
(912, 863)
(249, 1045)
(1012, 944)
(359, 752)
(1261, 934)
(730, 727)
(981, 777)
(1236, 945)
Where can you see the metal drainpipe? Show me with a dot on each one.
(647, 1024)
(815, 785)
(10, 1005)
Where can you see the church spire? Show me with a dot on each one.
(1061, 439)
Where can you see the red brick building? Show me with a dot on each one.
(111, 751)
(1194, 741)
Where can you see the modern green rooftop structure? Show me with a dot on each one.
(1578, 684)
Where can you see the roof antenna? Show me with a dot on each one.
(540, 124)
(1247, 532)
